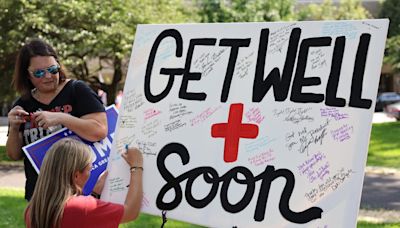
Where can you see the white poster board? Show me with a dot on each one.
(250, 124)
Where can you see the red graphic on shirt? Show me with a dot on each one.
(32, 132)
(233, 131)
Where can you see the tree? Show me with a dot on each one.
(117, 28)
(345, 10)
(83, 30)
(392, 55)
(244, 10)
(10, 41)
(390, 9)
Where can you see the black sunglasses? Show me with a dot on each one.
(40, 73)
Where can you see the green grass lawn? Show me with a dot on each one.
(377, 225)
(12, 206)
(384, 146)
(3, 156)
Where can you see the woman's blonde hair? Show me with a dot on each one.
(55, 183)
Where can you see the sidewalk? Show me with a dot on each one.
(3, 130)
(3, 135)
(12, 176)
(3, 121)
(380, 199)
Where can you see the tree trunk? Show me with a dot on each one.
(112, 89)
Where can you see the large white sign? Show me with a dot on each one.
(250, 124)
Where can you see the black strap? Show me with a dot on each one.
(164, 218)
(95, 195)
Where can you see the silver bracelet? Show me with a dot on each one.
(134, 168)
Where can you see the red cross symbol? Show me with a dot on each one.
(233, 131)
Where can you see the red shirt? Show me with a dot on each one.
(86, 211)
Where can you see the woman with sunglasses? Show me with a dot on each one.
(57, 200)
(49, 101)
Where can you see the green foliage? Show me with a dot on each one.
(10, 40)
(245, 10)
(392, 56)
(346, 10)
(82, 30)
(390, 9)
(384, 146)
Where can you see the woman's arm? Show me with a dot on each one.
(133, 200)
(14, 144)
(14, 140)
(92, 127)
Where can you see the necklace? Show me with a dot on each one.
(34, 93)
(42, 98)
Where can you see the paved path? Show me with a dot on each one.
(380, 117)
(381, 189)
(3, 135)
(3, 121)
(3, 130)
(12, 176)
